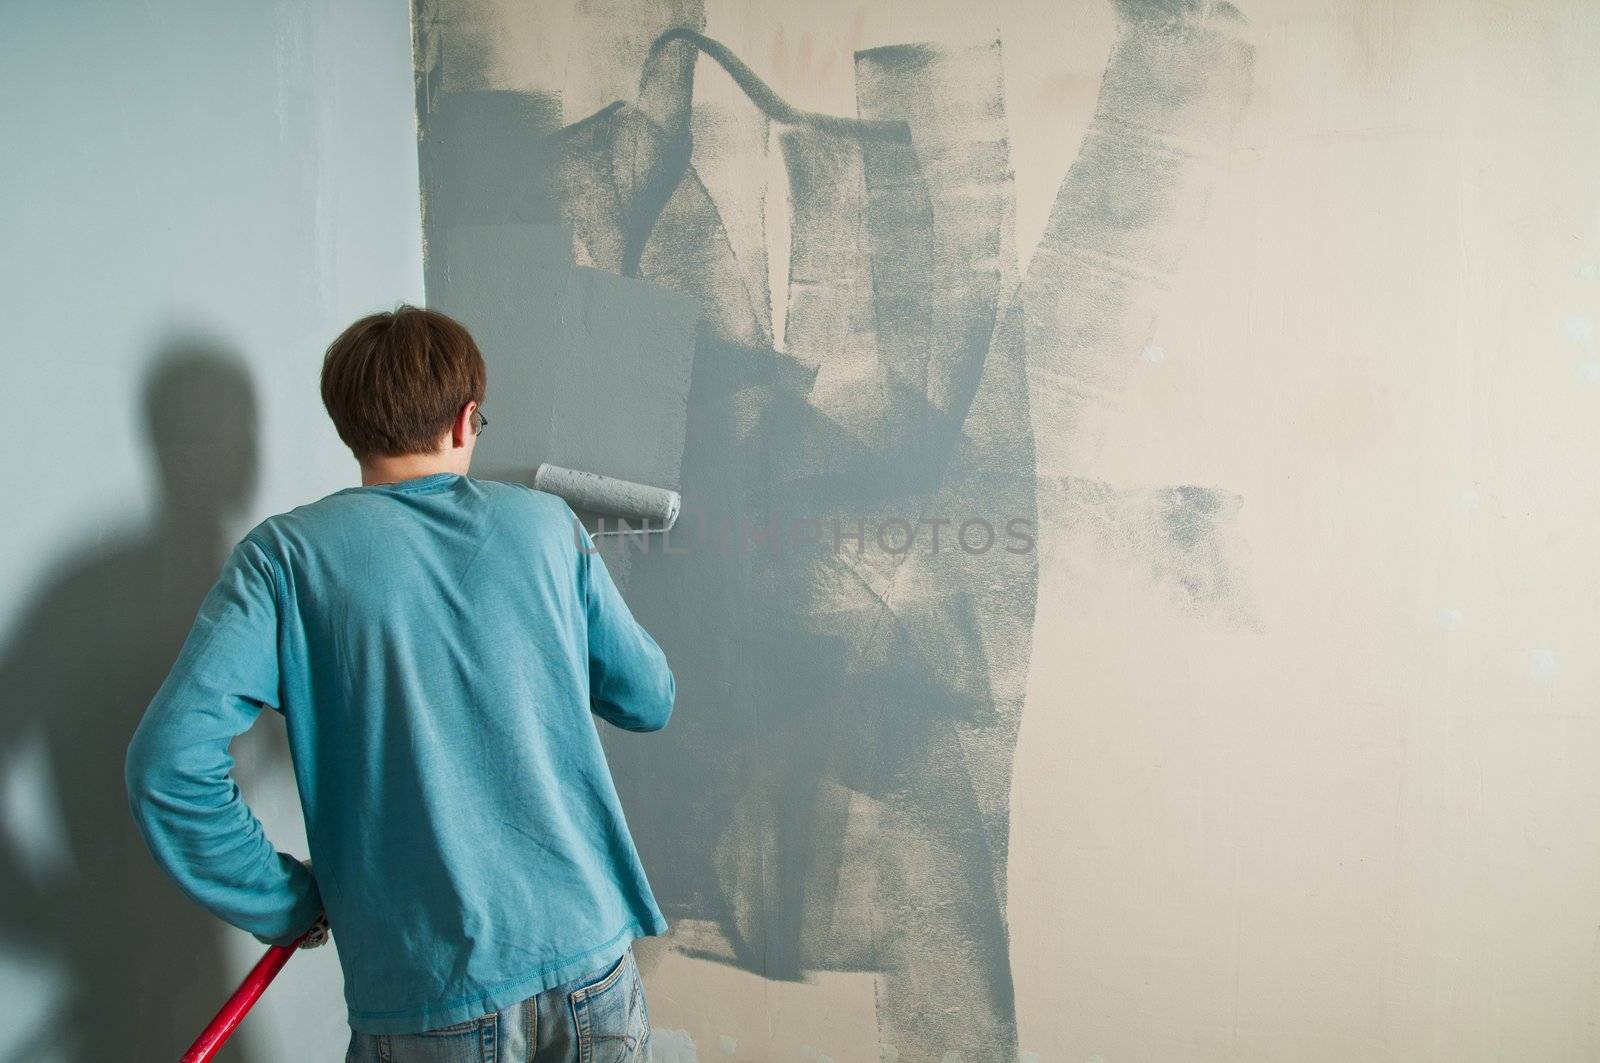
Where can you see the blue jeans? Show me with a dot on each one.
(597, 1018)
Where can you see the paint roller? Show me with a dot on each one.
(639, 507)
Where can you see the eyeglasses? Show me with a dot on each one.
(483, 421)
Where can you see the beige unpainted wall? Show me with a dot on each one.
(1369, 829)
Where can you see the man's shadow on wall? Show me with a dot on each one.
(144, 965)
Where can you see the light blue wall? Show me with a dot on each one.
(195, 198)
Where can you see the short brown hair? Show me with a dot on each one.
(394, 382)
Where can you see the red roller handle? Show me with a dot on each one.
(227, 1020)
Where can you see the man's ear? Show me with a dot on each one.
(463, 430)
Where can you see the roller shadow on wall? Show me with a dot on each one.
(143, 966)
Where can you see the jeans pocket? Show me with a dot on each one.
(472, 1041)
(609, 1015)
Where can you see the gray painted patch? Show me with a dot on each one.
(833, 792)
(584, 363)
(1184, 540)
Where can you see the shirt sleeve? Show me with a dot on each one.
(630, 684)
(178, 770)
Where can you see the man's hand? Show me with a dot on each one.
(318, 934)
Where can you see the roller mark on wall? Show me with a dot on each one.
(1174, 85)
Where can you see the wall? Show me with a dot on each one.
(1276, 324)
(196, 197)
(1273, 747)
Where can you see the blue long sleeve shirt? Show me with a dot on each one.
(439, 649)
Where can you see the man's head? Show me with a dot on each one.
(405, 384)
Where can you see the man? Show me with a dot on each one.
(436, 645)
